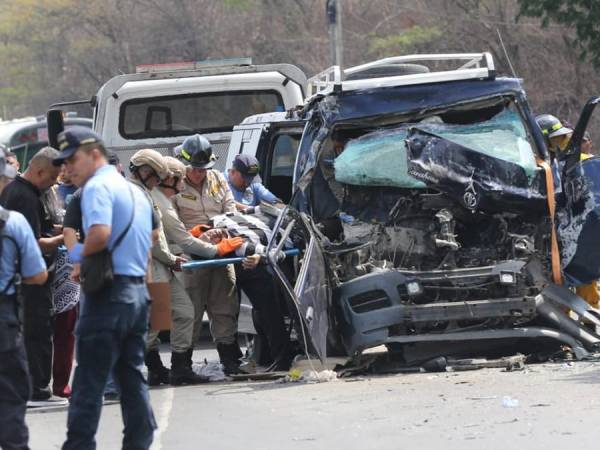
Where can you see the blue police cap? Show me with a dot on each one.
(71, 139)
(247, 165)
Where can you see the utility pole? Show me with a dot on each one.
(334, 18)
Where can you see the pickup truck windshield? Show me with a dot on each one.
(180, 115)
(380, 158)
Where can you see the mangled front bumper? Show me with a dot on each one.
(379, 308)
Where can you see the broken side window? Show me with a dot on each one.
(376, 159)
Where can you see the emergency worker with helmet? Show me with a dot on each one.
(179, 242)
(206, 194)
(148, 170)
(557, 137)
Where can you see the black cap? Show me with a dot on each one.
(247, 165)
(71, 139)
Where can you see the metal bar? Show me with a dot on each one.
(478, 309)
(562, 296)
(284, 236)
(531, 332)
(72, 102)
(551, 312)
(418, 58)
(225, 261)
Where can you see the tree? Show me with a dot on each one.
(582, 15)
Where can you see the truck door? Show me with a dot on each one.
(277, 161)
(308, 289)
(579, 213)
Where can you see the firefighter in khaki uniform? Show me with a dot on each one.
(148, 168)
(206, 194)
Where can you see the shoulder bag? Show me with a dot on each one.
(97, 269)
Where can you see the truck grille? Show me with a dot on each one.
(369, 301)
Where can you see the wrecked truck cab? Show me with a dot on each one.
(425, 203)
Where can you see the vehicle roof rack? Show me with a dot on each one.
(472, 66)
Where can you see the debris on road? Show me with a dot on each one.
(309, 376)
(212, 370)
(509, 402)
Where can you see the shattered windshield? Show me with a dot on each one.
(376, 159)
(503, 137)
(380, 158)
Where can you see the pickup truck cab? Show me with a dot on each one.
(160, 105)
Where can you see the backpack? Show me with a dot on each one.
(11, 330)
(16, 279)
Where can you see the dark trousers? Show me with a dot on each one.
(64, 348)
(15, 388)
(39, 328)
(111, 335)
(267, 313)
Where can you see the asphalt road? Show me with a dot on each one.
(550, 406)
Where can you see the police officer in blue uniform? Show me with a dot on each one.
(246, 189)
(113, 321)
(20, 262)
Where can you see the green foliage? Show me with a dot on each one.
(582, 15)
(405, 41)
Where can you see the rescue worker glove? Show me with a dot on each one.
(229, 245)
(198, 230)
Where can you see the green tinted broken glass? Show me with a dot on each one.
(380, 158)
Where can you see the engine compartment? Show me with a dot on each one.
(390, 219)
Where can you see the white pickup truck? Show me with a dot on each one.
(160, 105)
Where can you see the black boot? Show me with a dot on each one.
(189, 353)
(236, 349)
(228, 357)
(181, 371)
(157, 373)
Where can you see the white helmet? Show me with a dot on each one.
(151, 158)
(175, 167)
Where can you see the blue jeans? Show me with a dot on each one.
(111, 335)
(112, 387)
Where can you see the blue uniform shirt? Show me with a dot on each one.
(106, 200)
(28, 250)
(253, 195)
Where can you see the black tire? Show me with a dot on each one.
(388, 70)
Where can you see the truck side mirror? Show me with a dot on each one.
(56, 124)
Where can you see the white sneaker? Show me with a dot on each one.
(52, 401)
